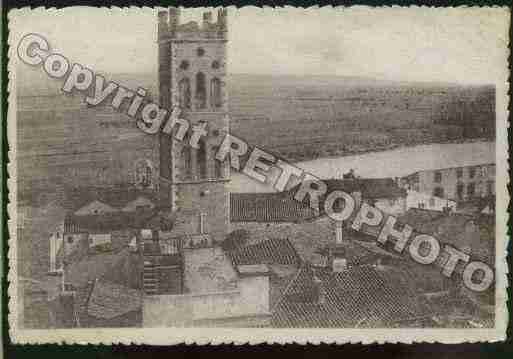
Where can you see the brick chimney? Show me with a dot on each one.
(320, 290)
(338, 264)
(471, 237)
(337, 258)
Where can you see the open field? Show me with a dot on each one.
(307, 118)
(62, 141)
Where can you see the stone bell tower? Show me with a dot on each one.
(192, 72)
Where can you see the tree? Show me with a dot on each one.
(235, 239)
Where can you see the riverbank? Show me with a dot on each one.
(382, 148)
(397, 162)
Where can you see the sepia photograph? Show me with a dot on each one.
(332, 174)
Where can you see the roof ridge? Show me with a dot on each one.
(278, 302)
(84, 307)
(289, 243)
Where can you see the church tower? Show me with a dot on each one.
(192, 72)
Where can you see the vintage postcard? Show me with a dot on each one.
(249, 175)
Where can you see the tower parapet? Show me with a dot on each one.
(163, 25)
(171, 28)
(222, 20)
(174, 18)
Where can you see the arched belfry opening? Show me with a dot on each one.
(184, 93)
(215, 93)
(201, 91)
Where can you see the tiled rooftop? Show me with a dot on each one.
(103, 223)
(282, 207)
(271, 251)
(253, 269)
(449, 228)
(101, 302)
(90, 267)
(117, 197)
(362, 296)
(371, 188)
(208, 270)
(267, 207)
(109, 300)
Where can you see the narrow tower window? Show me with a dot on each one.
(187, 162)
(202, 160)
(184, 91)
(215, 92)
(218, 165)
(201, 91)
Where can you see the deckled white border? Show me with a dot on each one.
(265, 335)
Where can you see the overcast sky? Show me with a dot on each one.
(418, 44)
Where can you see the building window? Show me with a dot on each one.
(201, 91)
(471, 189)
(438, 192)
(438, 177)
(472, 172)
(215, 64)
(202, 223)
(491, 190)
(460, 189)
(143, 173)
(432, 202)
(200, 51)
(480, 190)
(215, 93)
(202, 160)
(70, 240)
(484, 171)
(459, 173)
(184, 93)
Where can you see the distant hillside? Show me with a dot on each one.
(299, 117)
(314, 116)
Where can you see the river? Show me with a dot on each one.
(391, 163)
